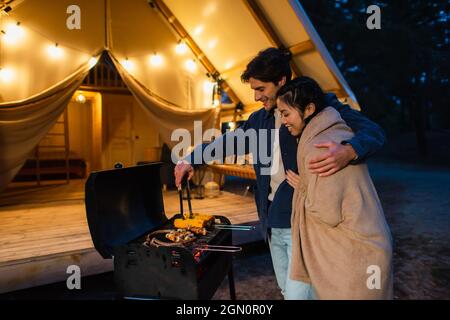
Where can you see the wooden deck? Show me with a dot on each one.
(44, 229)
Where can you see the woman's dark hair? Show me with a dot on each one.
(270, 65)
(300, 92)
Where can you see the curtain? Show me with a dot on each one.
(24, 123)
(164, 115)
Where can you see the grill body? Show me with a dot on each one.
(123, 206)
(172, 272)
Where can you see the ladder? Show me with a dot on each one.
(59, 133)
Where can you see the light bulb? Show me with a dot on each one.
(208, 87)
(80, 98)
(6, 75)
(128, 65)
(13, 33)
(181, 47)
(191, 65)
(198, 30)
(229, 65)
(92, 62)
(156, 60)
(212, 43)
(55, 51)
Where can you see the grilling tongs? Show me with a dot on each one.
(190, 215)
(180, 193)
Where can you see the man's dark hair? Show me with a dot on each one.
(270, 65)
(300, 92)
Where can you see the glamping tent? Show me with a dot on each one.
(106, 80)
(170, 55)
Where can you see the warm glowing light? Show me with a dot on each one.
(80, 98)
(198, 30)
(229, 65)
(6, 75)
(13, 33)
(208, 87)
(55, 51)
(92, 62)
(191, 65)
(212, 43)
(181, 47)
(209, 9)
(128, 65)
(156, 60)
(232, 125)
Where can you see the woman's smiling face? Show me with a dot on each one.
(291, 117)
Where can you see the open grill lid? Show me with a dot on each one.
(123, 204)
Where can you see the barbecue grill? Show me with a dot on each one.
(125, 212)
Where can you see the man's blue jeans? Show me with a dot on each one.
(280, 244)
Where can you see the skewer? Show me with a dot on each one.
(210, 247)
(234, 227)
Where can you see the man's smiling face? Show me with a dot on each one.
(266, 92)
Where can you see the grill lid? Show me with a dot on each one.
(123, 204)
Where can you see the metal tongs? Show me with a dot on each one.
(234, 227)
(190, 215)
(211, 247)
(180, 192)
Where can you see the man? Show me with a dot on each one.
(266, 74)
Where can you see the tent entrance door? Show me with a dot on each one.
(119, 130)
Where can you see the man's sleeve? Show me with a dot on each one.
(196, 157)
(369, 137)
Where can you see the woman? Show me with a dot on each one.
(341, 243)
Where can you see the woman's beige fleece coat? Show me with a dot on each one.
(341, 243)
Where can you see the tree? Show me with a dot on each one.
(399, 73)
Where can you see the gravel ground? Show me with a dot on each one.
(416, 202)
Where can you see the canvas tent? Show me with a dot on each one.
(43, 60)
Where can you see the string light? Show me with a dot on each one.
(208, 91)
(6, 75)
(212, 43)
(210, 9)
(55, 51)
(208, 87)
(80, 98)
(191, 65)
(13, 33)
(198, 30)
(128, 65)
(156, 60)
(181, 47)
(92, 62)
(229, 65)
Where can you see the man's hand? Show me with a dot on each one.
(292, 178)
(180, 171)
(336, 158)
